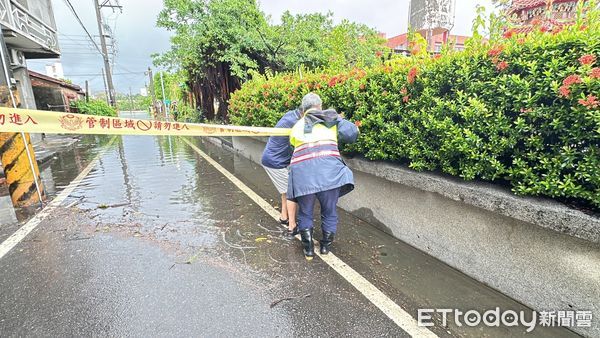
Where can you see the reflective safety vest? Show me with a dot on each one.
(321, 137)
(319, 133)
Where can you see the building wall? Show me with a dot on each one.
(399, 43)
(52, 96)
(49, 98)
(26, 95)
(24, 87)
(43, 10)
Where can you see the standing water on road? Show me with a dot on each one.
(156, 241)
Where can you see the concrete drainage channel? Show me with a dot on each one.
(537, 252)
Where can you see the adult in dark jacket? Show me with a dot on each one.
(317, 171)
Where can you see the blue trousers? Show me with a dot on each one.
(306, 206)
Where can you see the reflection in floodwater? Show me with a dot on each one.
(60, 170)
(56, 173)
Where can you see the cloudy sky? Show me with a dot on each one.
(137, 37)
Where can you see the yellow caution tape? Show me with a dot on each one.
(41, 121)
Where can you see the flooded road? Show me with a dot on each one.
(156, 241)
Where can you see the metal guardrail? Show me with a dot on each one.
(16, 17)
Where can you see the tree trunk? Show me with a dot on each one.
(216, 85)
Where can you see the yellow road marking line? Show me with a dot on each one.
(23, 231)
(402, 318)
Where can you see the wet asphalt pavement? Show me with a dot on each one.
(155, 241)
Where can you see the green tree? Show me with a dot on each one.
(217, 44)
(312, 41)
(350, 45)
(174, 84)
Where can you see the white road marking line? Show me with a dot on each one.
(23, 231)
(402, 318)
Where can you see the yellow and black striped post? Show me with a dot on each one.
(19, 161)
(16, 153)
(18, 169)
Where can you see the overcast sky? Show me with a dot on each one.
(137, 37)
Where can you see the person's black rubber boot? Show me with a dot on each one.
(307, 243)
(326, 242)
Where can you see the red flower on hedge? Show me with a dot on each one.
(509, 33)
(587, 59)
(595, 73)
(358, 123)
(564, 91)
(502, 65)
(437, 56)
(521, 41)
(412, 75)
(362, 86)
(378, 54)
(496, 50)
(571, 79)
(590, 102)
(405, 99)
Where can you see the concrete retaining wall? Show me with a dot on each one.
(536, 251)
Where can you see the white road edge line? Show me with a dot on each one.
(23, 231)
(402, 318)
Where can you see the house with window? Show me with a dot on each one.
(399, 43)
(54, 94)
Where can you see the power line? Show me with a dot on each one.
(75, 35)
(68, 2)
(94, 74)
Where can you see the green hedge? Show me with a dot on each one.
(524, 110)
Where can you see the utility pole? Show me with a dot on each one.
(162, 84)
(131, 100)
(87, 91)
(105, 88)
(151, 89)
(151, 84)
(109, 80)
